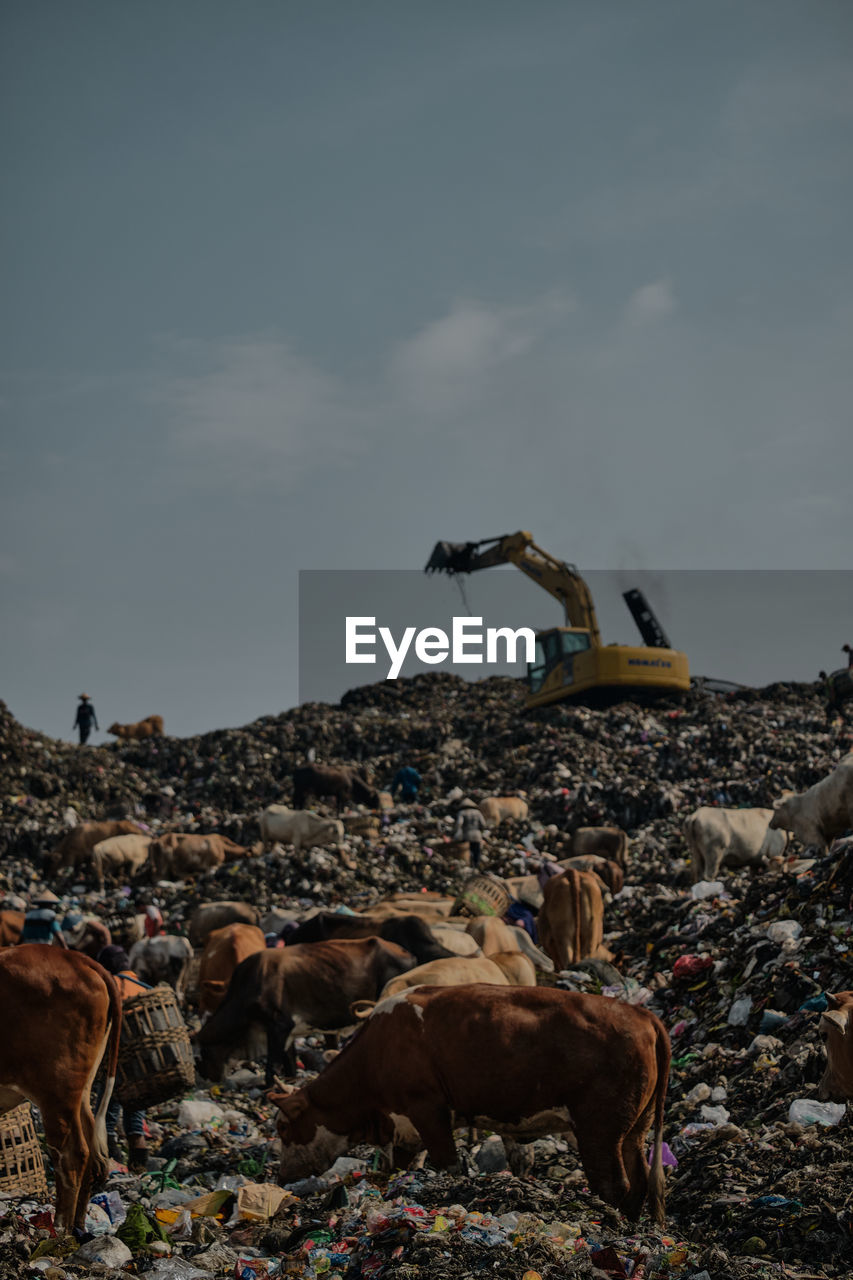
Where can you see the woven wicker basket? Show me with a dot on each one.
(155, 1059)
(483, 895)
(21, 1165)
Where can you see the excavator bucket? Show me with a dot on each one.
(451, 557)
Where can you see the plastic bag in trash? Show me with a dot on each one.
(810, 1111)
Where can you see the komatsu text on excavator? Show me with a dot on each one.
(571, 662)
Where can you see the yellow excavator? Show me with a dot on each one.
(571, 663)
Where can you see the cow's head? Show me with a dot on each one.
(836, 1029)
(213, 993)
(115, 727)
(212, 1056)
(307, 1146)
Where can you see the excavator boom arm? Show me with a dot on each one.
(560, 579)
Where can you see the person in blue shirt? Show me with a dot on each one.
(40, 922)
(85, 718)
(407, 781)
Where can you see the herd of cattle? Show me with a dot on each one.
(451, 1019)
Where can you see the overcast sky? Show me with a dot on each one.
(292, 286)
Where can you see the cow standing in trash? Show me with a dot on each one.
(62, 1015)
(730, 838)
(344, 784)
(432, 1057)
(289, 991)
(825, 811)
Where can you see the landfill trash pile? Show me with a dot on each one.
(759, 1172)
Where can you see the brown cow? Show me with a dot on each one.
(408, 932)
(345, 783)
(176, 855)
(571, 921)
(62, 1013)
(215, 915)
(498, 809)
(435, 1056)
(837, 1032)
(224, 949)
(610, 842)
(77, 844)
(11, 924)
(291, 990)
(150, 727)
(495, 937)
(609, 873)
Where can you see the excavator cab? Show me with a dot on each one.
(556, 649)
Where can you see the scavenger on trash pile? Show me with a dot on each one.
(739, 969)
(85, 718)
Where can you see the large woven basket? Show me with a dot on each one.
(482, 896)
(21, 1165)
(155, 1059)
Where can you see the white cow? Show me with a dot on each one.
(730, 838)
(166, 959)
(817, 816)
(120, 855)
(298, 827)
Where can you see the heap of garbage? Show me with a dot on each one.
(759, 1171)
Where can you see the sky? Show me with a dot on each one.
(290, 286)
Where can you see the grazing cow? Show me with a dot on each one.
(408, 932)
(163, 959)
(837, 1032)
(818, 816)
(609, 842)
(345, 783)
(150, 727)
(77, 844)
(495, 937)
(176, 855)
(456, 972)
(215, 915)
(498, 809)
(62, 1015)
(571, 922)
(610, 873)
(298, 827)
(290, 990)
(224, 949)
(456, 940)
(433, 1057)
(120, 856)
(11, 924)
(428, 908)
(730, 838)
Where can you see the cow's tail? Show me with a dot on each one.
(657, 1182)
(576, 906)
(109, 1053)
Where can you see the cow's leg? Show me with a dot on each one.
(95, 1168)
(70, 1156)
(280, 1047)
(436, 1130)
(636, 1167)
(600, 1151)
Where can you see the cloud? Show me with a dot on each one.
(650, 303)
(452, 358)
(256, 403)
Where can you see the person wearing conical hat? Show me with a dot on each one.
(40, 922)
(470, 829)
(85, 718)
